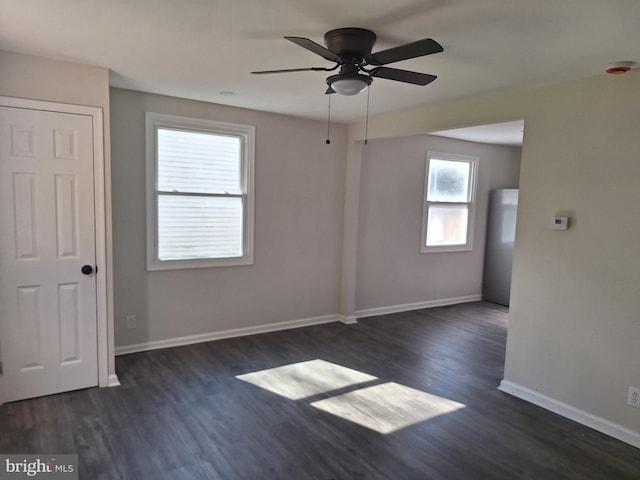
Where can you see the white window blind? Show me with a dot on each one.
(201, 194)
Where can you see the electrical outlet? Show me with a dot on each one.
(634, 397)
(131, 322)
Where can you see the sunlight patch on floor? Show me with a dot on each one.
(305, 379)
(388, 407)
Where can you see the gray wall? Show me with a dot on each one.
(298, 227)
(574, 327)
(391, 271)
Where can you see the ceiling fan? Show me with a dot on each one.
(350, 49)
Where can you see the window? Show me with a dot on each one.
(449, 195)
(199, 193)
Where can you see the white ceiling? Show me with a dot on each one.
(199, 48)
(507, 133)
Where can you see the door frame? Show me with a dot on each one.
(104, 317)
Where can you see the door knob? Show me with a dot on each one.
(87, 269)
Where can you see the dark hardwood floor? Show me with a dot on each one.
(181, 413)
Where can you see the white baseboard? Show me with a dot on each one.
(572, 413)
(236, 332)
(113, 381)
(371, 312)
(273, 327)
(348, 320)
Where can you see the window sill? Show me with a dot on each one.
(447, 249)
(156, 265)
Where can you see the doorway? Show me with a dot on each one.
(52, 290)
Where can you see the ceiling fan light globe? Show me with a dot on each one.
(349, 86)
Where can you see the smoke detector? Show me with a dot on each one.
(619, 68)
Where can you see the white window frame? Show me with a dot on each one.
(473, 177)
(246, 134)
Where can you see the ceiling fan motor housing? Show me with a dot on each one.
(352, 43)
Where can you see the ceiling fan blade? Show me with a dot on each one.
(403, 75)
(287, 70)
(315, 48)
(420, 48)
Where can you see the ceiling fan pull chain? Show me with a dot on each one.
(328, 141)
(366, 123)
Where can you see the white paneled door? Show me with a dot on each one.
(48, 335)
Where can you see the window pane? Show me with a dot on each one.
(447, 225)
(199, 227)
(196, 162)
(448, 181)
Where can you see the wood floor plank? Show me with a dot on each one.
(182, 414)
